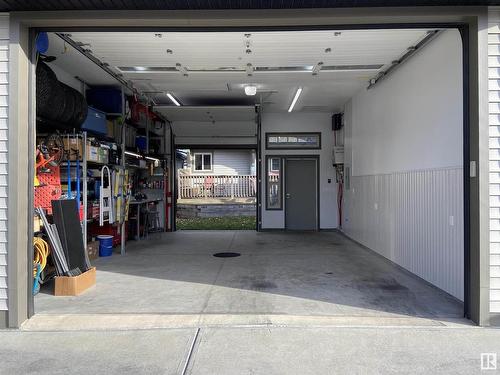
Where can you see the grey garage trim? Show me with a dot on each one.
(475, 18)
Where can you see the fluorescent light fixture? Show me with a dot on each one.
(250, 90)
(133, 154)
(152, 159)
(140, 68)
(171, 97)
(295, 98)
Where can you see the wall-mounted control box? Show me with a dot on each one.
(338, 155)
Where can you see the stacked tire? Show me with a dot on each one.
(57, 102)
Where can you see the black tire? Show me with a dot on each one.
(69, 105)
(46, 83)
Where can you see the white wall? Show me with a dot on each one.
(403, 142)
(303, 122)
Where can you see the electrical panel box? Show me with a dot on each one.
(338, 155)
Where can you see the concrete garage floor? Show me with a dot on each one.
(316, 276)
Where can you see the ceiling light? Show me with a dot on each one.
(152, 159)
(140, 68)
(250, 90)
(295, 98)
(171, 97)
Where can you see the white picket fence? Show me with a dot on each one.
(216, 186)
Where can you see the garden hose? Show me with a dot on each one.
(41, 253)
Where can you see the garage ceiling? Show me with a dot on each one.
(212, 68)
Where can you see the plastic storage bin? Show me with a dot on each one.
(106, 99)
(95, 122)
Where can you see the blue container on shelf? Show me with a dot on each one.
(106, 99)
(95, 121)
(141, 142)
(105, 245)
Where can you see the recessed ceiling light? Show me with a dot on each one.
(295, 98)
(250, 90)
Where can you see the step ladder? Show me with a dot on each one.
(105, 199)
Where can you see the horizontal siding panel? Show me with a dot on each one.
(495, 307)
(4, 137)
(494, 50)
(494, 153)
(494, 120)
(494, 73)
(494, 247)
(493, 95)
(494, 271)
(494, 236)
(494, 178)
(494, 108)
(494, 212)
(494, 142)
(494, 201)
(495, 259)
(495, 294)
(494, 61)
(494, 189)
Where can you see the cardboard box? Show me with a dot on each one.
(73, 146)
(73, 286)
(93, 153)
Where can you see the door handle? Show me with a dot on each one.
(287, 195)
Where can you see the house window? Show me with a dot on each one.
(274, 183)
(202, 162)
(275, 164)
(290, 141)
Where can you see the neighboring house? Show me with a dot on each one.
(218, 174)
(221, 162)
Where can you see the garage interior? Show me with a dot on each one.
(369, 224)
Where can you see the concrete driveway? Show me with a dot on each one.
(251, 350)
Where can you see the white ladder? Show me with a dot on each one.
(105, 198)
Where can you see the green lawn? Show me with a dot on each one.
(217, 223)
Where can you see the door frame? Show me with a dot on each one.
(316, 158)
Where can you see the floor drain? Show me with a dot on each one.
(226, 255)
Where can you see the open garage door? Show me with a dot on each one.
(348, 140)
